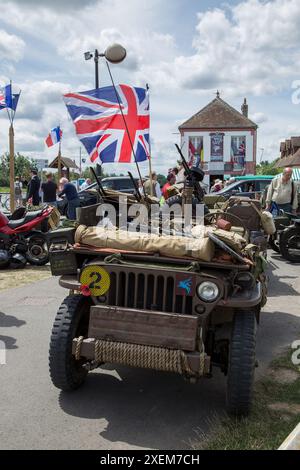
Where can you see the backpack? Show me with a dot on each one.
(18, 190)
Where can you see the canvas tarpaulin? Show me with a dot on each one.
(165, 245)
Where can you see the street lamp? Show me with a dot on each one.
(114, 54)
(261, 155)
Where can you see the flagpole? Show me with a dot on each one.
(126, 127)
(11, 167)
(59, 162)
(149, 157)
(11, 158)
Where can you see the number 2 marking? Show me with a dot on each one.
(95, 283)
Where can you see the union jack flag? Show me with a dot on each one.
(100, 126)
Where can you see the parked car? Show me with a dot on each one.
(119, 183)
(247, 186)
(88, 197)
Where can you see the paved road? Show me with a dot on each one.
(123, 408)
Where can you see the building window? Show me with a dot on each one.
(216, 147)
(196, 154)
(238, 152)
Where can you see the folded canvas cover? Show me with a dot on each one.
(165, 245)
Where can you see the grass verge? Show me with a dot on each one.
(10, 278)
(275, 413)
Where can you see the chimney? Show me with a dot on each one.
(244, 108)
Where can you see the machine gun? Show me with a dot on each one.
(193, 177)
(100, 187)
(136, 188)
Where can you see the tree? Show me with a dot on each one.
(267, 168)
(22, 167)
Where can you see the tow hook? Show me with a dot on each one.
(91, 365)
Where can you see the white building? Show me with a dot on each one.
(222, 139)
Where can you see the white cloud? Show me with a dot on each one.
(258, 118)
(11, 46)
(54, 4)
(250, 48)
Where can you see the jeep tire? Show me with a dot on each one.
(70, 322)
(241, 363)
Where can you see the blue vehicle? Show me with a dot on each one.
(246, 186)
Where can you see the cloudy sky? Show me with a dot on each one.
(185, 50)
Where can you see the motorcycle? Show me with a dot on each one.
(286, 240)
(289, 242)
(20, 239)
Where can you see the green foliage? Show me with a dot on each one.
(22, 167)
(267, 168)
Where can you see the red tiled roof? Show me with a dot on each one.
(218, 115)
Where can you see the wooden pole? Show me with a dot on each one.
(80, 167)
(12, 168)
(150, 175)
(59, 163)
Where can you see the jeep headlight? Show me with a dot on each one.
(207, 291)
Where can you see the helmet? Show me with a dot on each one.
(18, 261)
(4, 259)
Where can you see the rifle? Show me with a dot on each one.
(136, 193)
(191, 177)
(184, 162)
(100, 187)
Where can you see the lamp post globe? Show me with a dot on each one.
(115, 53)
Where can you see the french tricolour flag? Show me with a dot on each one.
(54, 136)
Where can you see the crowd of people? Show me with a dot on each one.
(282, 191)
(174, 176)
(48, 191)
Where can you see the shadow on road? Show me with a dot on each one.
(7, 321)
(147, 408)
(10, 343)
(10, 320)
(278, 284)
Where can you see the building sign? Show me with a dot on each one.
(196, 156)
(41, 163)
(238, 152)
(216, 147)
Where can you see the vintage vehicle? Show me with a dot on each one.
(89, 195)
(23, 236)
(247, 186)
(157, 310)
(286, 240)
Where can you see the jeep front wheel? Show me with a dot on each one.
(241, 363)
(70, 322)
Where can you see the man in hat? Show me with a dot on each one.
(18, 192)
(49, 189)
(33, 195)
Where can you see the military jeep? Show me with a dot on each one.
(160, 312)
